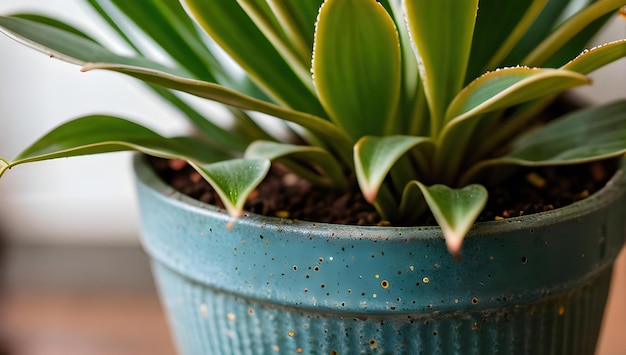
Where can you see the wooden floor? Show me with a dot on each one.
(81, 301)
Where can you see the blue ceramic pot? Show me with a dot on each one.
(256, 285)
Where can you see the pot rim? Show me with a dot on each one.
(614, 189)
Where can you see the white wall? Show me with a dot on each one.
(90, 199)
(84, 199)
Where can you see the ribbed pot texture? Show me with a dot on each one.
(256, 285)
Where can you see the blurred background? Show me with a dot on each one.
(74, 277)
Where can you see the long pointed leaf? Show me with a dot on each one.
(261, 13)
(375, 156)
(597, 57)
(586, 135)
(230, 97)
(442, 32)
(493, 91)
(234, 180)
(490, 47)
(356, 65)
(70, 47)
(52, 22)
(584, 63)
(298, 20)
(573, 26)
(594, 133)
(168, 25)
(510, 86)
(102, 134)
(413, 114)
(236, 33)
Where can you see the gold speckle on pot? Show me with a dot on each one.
(204, 311)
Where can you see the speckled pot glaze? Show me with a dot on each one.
(256, 285)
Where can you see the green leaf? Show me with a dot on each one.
(569, 29)
(413, 115)
(70, 47)
(49, 21)
(102, 134)
(356, 65)
(312, 163)
(591, 134)
(233, 98)
(455, 210)
(442, 32)
(597, 57)
(261, 14)
(229, 25)
(234, 180)
(375, 156)
(135, 24)
(298, 20)
(510, 86)
(493, 91)
(489, 46)
(546, 21)
(586, 135)
(169, 26)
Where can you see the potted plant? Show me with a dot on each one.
(417, 107)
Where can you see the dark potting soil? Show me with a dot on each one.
(283, 194)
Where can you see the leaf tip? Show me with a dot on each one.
(454, 243)
(369, 194)
(4, 166)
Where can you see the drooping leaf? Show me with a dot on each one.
(455, 210)
(70, 47)
(593, 133)
(103, 134)
(52, 22)
(518, 120)
(586, 135)
(442, 32)
(233, 98)
(234, 180)
(493, 91)
(356, 65)
(312, 163)
(375, 156)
